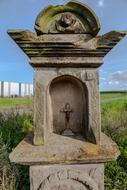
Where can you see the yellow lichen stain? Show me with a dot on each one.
(91, 150)
(56, 158)
(87, 151)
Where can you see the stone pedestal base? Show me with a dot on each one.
(67, 177)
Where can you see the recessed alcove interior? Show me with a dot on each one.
(68, 93)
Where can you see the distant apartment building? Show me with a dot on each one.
(11, 89)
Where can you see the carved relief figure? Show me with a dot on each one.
(67, 110)
(68, 23)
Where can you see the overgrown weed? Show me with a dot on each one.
(13, 128)
(114, 124)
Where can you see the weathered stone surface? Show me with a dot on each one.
(74, 17)
(65, 46)
(68, 93)
(66, 23)
(61, 149)
(85, 81)
(67, 62)
(39, 113)
(67, 177)
(109, 39)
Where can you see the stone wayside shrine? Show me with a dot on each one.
(67, 150)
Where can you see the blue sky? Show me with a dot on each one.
(21, 14)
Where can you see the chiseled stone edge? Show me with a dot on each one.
(80, 44)
(78, 176)
(27, 154)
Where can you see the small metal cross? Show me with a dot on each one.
(67, 110)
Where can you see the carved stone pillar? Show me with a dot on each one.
(66, 151)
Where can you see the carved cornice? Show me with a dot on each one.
(65, 46)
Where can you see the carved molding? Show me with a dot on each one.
(71, 73)
(90, 76)
(74, 18)
(38, 114)
(68, 179)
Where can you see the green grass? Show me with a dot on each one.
(114, 124)
(113, 97)
(110, 97)
(15, 102)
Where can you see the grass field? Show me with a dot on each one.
(16, 102)
(113, 97)
(27, 101)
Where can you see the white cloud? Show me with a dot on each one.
(113, 82)
(117, 81)
(102, 78)
(120, 76)
(101, 3)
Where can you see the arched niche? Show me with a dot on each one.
(69, 92)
